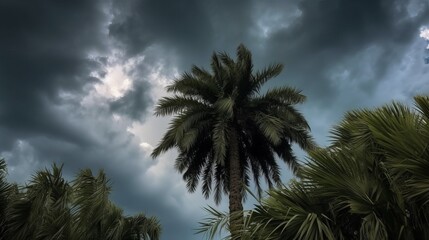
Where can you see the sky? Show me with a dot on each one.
(79, 79)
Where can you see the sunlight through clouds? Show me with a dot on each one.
(114, 84)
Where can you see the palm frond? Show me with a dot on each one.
(271, 126)
(214, 223)
(177, 104)
(198, 84)
(284, 95)
(265, 75)
(422, 105)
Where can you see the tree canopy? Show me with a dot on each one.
(49, 207)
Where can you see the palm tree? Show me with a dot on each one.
(51, 208)
(226, 130)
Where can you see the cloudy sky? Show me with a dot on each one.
(79, 79)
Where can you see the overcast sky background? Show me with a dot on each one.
(79, 79)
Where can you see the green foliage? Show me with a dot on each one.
(49, 207)
(208, 106)
(5, 196)
(371, 183)
(227, 132)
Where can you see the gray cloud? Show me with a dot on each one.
(44, 52)
(329, 34)
(190, 30)
(134, 103)
(139, 24)
(316, 37)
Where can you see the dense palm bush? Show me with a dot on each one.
(49, 207)
(372, 182)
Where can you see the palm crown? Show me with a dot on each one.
(214, 109)
(226, 130)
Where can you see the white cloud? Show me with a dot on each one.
(146, 146)
(424, 33)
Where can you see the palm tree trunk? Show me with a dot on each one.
(235, 188)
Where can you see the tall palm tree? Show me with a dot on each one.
(226, 130)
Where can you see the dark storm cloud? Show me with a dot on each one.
(139, 24)
(44, 52)
(312, 38)
(190, 30)
(329, 34)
